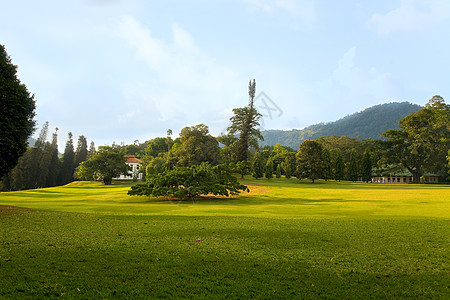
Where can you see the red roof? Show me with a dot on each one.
(132, 159)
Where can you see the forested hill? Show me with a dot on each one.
(369, 123)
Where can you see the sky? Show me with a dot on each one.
(121, 71)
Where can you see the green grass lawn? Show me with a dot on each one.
(286, 239)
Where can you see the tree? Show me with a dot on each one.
(310, 162)
(81, 152)
(278, 171)
(366, 167)
(328, 169)
(423, 140)
(268, 170)
(197, 146)
(190, 182)
(91, 150)
(339, 167)
(67, 167)
(257, 166)
(17, 112)
(169, 139)
(243, 168)
(287, 167)
(104, 165)
(156, 146)
(245, 122)
(36, 168)
(352, 170)
(53, 171)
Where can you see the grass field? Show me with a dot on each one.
(286, 239)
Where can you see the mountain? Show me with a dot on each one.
(368, 123)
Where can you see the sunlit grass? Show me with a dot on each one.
(284, 240)
(275, 198)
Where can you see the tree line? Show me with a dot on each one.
(41, 165)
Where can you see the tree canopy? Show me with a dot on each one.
(423, 140)
(17, 112)
(310, 160)
(190, 182)
(104, 165)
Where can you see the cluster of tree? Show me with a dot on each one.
(194, 164)
(41, 166)
(420, 145)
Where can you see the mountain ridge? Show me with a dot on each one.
(367, 123)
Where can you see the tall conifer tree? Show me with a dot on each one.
(245, 122)
(81, 153)
(67, 167)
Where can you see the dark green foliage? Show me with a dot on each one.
(91, 150)
(287, 166)
(423, 140)
(156, 146)
(310, 163)
(38, 167)
(243, 168)
(16, 114)
(366, 167)
(245, 122)
(257, 166)
(81, 152)
(67, 167)
(228, 151)
(190, 182)
(352, 169)
(197, 146)
(268, 170)
(369, 123)
(339, 167)
(328, 167)
(104, 165)
(278, 171)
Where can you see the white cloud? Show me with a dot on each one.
(412, 15)
(304, 9)
(184, 84)
(351, 87)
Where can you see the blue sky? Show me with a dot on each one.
(117, 70)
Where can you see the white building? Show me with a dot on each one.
(135, 172)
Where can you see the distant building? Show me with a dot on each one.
(403, 176)
(135, 172)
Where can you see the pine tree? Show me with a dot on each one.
(91, 149)
(278, 171)
(81, 153)
(352, 170)
(53, 171)
(328, 170)
(33, 162)
(257, 166)
(366, 167)
(287, 167)
(269, 168)
(44, 165)
(67, 167)
(339, 167)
